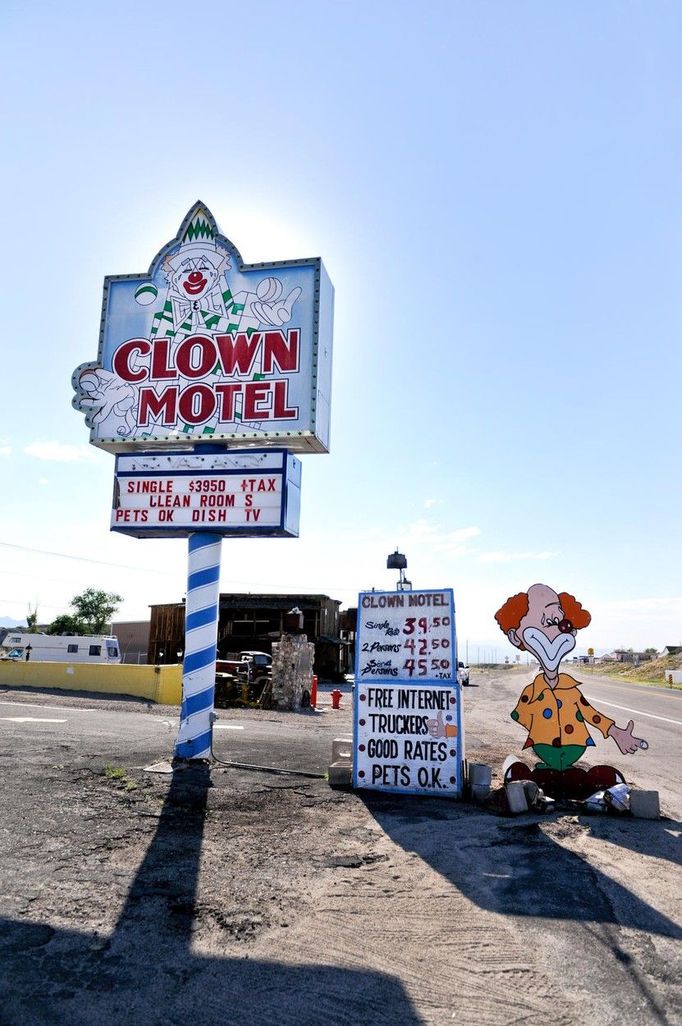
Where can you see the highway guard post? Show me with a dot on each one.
(211, 376)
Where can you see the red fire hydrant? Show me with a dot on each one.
(336, 698)
(313, 692)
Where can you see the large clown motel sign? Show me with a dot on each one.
(212, 375)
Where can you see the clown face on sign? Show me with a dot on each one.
(193, 275)
(552, 709)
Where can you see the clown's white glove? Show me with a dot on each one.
(103, 394)
(277, 311)
(625, 740)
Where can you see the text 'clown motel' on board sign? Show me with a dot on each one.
(406, 635)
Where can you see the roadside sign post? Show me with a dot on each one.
(194, 740)
(407, 722)
(211, 375)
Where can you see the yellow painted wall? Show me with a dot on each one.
(162, 684)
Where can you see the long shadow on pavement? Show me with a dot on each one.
(146, 973)
(513, 868)
(524, 872)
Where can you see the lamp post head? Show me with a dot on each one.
(396, 561)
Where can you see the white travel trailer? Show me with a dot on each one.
(58, 648)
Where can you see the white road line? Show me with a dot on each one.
(226, 726)
(53, 708)
(29, 719)
(638, 712)
(660, 690)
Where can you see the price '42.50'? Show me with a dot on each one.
(426, 645)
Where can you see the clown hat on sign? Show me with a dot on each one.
(197, 242)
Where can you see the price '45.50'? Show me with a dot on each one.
(420, 667)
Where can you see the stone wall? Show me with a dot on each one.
(292, 670)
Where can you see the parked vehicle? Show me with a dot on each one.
(60, 648)
(245, 680)
(462, 674)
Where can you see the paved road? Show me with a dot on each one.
(657, 714)
(135, 729)
(140, 733)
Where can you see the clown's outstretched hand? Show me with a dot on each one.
(102, 394)
(277, 311)
(625, 740)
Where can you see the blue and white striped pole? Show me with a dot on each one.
(201, 634)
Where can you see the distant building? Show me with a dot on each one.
(133, 639)
(672, 650)
(252, 622)
(624, 655)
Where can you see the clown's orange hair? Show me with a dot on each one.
(510, 615)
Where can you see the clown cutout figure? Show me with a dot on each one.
(552, 709)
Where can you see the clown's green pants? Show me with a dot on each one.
(557, 758)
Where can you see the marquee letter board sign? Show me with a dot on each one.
(407, 702)
(170, 495)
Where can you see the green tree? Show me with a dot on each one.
(32, 621)
(95, 608)
(67, 624)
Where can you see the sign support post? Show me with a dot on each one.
(194, 740)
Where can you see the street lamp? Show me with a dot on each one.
(397, 561)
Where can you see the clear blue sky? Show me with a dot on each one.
(496, 191)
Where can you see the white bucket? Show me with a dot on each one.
(516, 796)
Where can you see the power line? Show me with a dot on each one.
(20, 602)
(293, 588)
(250, 585)
(85, 559)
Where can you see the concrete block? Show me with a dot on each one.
(340, 774)
(644, 804)
(480, 774)
(531, 791)
(342, 749)
(516, 796)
